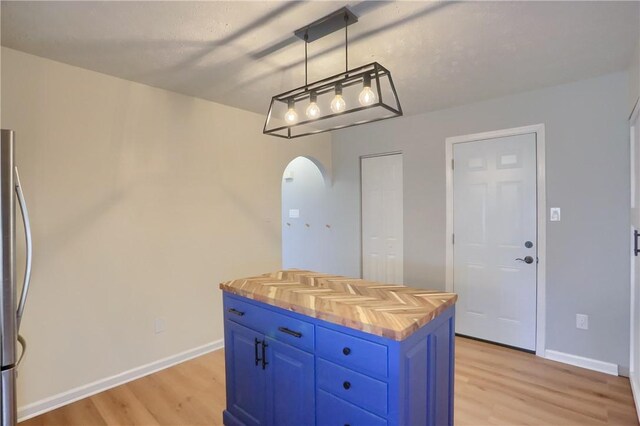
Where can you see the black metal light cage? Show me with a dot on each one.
(386, 105)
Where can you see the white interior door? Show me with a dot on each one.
(494, 225)
(635, 261)
(382, 258)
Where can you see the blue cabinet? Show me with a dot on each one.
(269, 381)
(284, 368)
(290, 385)
(245, 378)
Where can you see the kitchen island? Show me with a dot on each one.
(305, 348)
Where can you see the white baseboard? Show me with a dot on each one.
(635, 390)
(579, 361)
(75, 394)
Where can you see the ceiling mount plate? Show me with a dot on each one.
(327, 25)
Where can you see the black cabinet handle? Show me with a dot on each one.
(256, 342)
(264, 357)
(290, 332)
(346, 385)
(346, 351)
(236, 312)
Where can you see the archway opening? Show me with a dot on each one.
(305, 227)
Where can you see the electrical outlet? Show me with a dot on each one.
(582, 321)
(159, 325)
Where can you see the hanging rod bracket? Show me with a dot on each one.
(324, 26)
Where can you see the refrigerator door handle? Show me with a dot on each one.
(29, 246)
(23, 343)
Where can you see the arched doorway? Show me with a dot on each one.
(305, 228)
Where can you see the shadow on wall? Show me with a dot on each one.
(306, 230)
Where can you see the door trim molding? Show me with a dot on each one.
(538, 129)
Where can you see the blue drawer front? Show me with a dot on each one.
(287, 329)
(357, 388)
(352, 352)
(292, 331)
(333, 411)
(244, 313)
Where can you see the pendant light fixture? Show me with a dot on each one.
(355, 96)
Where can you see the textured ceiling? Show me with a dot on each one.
(242, 53)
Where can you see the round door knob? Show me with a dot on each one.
(346, 385)
(346, 351)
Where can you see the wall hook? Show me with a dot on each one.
(288, 224)
(328, 226)
(307, 225)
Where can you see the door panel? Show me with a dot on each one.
(290, 385)
(245, 379)
(494, 202)
(635, 261)
(382, 222)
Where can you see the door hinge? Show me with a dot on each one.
(453, 238)
(452, 164)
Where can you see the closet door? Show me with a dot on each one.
(382, 228)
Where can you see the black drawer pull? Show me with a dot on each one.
(264, 355)
(346, 385)
(346, 351)
(235, 311)
(290, 332)
(256, 342)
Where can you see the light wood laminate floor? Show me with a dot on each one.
(494, 385)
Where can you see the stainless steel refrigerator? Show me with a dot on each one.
(11, 308)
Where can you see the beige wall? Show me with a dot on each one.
(142, 201)
(634, 73)
(634, 77)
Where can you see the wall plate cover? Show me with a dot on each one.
(554, 214)
(294, 213)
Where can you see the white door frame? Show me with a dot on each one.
(538, 129)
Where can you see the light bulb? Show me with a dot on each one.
(338, 104)
(367, 97)
(313, 110)
(291, 116)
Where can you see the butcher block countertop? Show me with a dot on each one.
(392, 311)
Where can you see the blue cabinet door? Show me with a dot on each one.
(245, 380)
(290, 385)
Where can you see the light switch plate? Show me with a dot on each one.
(294, 213)
(159, 325)
(582, 321)
(554, 214)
